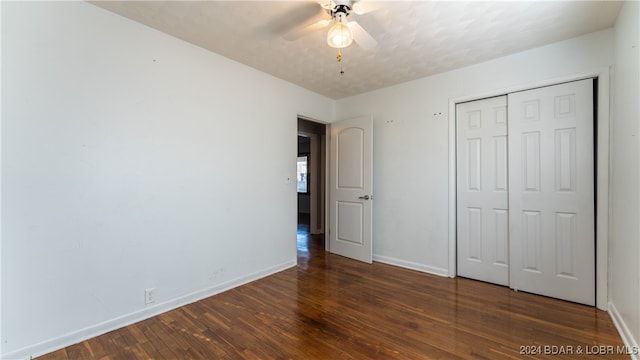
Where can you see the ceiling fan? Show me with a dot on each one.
(342, 32)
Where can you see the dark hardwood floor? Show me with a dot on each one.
(330, 307)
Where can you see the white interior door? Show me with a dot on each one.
(351, 189)
(551, 191)
(482, 209)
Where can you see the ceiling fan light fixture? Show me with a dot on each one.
(340, 35)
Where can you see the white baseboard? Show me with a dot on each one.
(412, 265)
(75, 337)
(625, 333)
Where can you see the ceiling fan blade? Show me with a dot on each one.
(301, 31)
(326, 5)
(362, 37)
(292, 15)
(362, 7)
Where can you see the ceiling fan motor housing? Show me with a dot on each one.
(340, 9)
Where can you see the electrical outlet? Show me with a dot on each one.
(149, 295)
(217, 273)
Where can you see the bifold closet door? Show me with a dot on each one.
(482, 245)
(551, 191)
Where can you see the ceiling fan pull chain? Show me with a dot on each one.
(339, 58)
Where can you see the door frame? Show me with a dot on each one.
(602, 170)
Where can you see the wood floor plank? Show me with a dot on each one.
(330, 307)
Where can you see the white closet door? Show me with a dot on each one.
(551, 191)
(482, 190)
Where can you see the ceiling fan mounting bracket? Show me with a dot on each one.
(340, 9)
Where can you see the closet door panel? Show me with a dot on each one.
(551, 191)
(482, 184)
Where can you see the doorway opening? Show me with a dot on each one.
(311, 182)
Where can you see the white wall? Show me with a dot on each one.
(625, 176)
(131, 160)
(411, 147)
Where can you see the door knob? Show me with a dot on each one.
(366, 197)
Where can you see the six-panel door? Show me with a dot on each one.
(551, 191)
(482, 208)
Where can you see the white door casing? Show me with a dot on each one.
(482, 183)
(351, 189)
(551, 191)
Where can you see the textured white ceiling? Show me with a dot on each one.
(415, 38)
